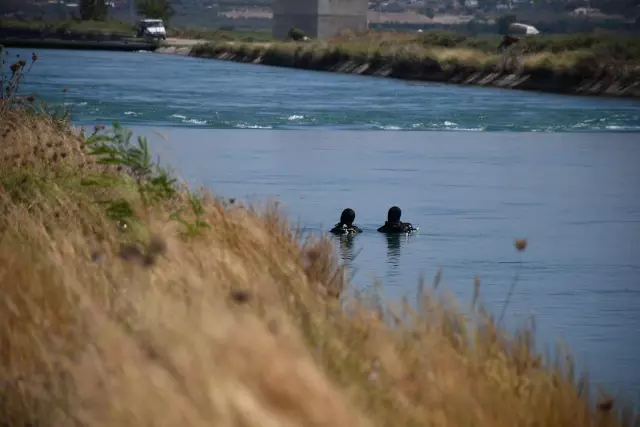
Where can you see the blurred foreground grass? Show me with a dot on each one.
(128, 299)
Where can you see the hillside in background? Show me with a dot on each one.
(557, 16)
(192, 13)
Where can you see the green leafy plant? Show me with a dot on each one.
(195, 227)
(151, 181)
(296, 34)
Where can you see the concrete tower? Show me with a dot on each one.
(319, 18)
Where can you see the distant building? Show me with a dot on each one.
(319, 18)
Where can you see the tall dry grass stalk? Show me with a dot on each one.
(237, 326)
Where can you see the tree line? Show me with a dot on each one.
(97, 10)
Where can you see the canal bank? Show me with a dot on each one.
(566, 82)
(541, 79)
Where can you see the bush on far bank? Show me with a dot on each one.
(608, 45)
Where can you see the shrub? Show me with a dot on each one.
(296, 34)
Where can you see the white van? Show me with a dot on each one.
(152, 28)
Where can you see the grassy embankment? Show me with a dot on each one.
(581, 63)
(129, 300)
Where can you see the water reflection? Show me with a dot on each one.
(394, 241)
(394, 245)
(347, 250)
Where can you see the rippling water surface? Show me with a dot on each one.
(145, 88)
(496, 164)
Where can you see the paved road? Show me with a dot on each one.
(176, 42)
(182, 42)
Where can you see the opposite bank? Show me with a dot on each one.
(577, 73)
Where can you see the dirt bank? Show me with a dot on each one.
(174, 50)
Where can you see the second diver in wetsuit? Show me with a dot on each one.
(346, 226)
(394, 225)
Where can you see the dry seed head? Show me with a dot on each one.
(241, 297)
(97, 256)
(149, 260)
(605, 404)
(130, 252)
(157, 246)
(521, 244)
(476, 290)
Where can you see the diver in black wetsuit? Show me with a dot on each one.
(393, 223)
(345, 226)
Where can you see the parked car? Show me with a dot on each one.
(153, 28)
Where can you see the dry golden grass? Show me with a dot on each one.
(236, 327)
(28, 139)
(565, 61)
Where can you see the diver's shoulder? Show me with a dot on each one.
(343, 229)
(403, 227)
(338, 229)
